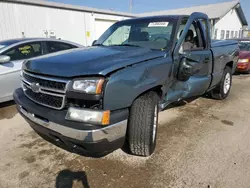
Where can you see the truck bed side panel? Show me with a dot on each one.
(223, 53)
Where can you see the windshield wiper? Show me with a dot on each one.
(132, 45)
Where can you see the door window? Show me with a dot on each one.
(192, 40)
(58, 46)
(24, 51)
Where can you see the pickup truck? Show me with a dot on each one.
(92, 101)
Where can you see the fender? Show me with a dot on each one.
(125, 85)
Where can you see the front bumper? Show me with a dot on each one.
(85, 139)
(242, 67)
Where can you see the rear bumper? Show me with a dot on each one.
(84, 139)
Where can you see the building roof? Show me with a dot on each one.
(214, 11)
(69, 7)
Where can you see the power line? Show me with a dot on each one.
(130, 5)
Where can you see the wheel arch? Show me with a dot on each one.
(157, 89)
(230, 64)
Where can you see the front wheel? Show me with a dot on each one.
(222, 90)
(142, 126)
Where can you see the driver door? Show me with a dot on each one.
(10, 71)
(195, 48)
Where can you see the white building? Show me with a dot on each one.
(227, 19)
(37, 18)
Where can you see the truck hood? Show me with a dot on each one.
(89, 61)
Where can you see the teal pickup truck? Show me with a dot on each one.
(92, 101)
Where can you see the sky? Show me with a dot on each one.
(140, 6)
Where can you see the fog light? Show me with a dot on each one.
(88, 116)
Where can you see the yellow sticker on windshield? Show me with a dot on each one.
(158, 24)
(25, 49)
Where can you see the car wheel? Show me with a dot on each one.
(222, 90)
(142, 126)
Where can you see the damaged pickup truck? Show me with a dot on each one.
(93, 100)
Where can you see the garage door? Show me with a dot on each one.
(101, 26)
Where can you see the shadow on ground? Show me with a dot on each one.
(7, 104)
(69, 179)
(7, 110)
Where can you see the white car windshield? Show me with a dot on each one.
(2, 46)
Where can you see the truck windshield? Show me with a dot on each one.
(244, 45)
(153, 34)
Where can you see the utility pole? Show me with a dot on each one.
(130, 5)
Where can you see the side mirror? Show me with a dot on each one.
(4, 59)
(185, 70)
(93, 43)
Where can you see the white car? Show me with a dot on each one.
(15, 51)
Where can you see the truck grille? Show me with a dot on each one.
(49, 92)
(45, 83)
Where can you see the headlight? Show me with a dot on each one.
(89, 85)
(243, 60)
(88, 116)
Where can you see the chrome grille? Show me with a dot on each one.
(47, 91)
(45, 83)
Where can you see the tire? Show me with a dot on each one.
(223, 89)
(142, 125)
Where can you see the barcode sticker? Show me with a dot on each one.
(158, 24)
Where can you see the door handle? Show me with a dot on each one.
(206, 60)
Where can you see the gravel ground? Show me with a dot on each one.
(204, 143)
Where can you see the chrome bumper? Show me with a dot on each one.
(111, 132)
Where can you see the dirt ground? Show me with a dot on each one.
(205, 143)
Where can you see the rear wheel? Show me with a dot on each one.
(142, 126)
(222, 90)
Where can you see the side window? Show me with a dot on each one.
(193, 40)
(227, 34)
(222, 34)
(232, 34)
(215, 33)
(236, 34)
(203, 26)
(58, 46)
(24, 51)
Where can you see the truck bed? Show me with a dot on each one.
(224, 51)
(220, 43)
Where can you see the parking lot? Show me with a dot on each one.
(204, 143)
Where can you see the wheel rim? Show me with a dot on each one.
(227, 83)
(155, 123)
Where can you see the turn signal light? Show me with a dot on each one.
(106, 118)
